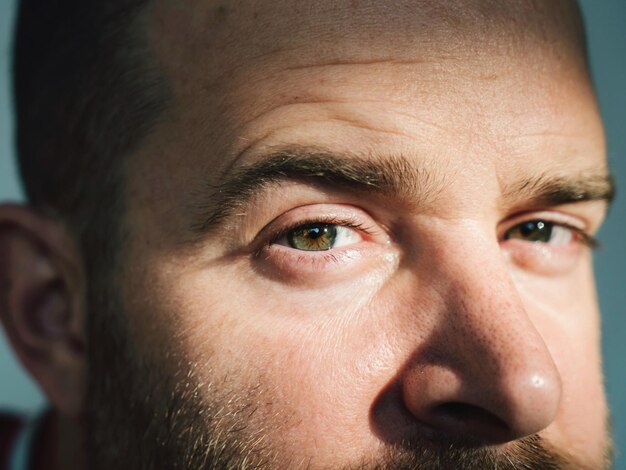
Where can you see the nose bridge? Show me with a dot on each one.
(483, 307)
(485, 354)
(486, 317)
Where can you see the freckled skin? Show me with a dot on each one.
(438, 310)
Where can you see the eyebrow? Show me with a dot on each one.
(549, 190)
(396, 177)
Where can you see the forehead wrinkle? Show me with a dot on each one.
(335, 114)
(396, 177)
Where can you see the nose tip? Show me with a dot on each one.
(534, 404)
(485, 409)
(483, 372)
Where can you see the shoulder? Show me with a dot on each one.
(10, 426)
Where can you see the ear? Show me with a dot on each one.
(41, 304)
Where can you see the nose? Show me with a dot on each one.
(485, 375)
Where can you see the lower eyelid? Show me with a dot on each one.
(291, 265)
(543, 258)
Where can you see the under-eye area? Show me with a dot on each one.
(553, 242)
(294, 234)
(321, 237)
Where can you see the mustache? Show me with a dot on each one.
(531, 453)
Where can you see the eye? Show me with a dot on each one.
(541, 231)
(319, 237)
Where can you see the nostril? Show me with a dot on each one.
(469, 422)
(469, 413)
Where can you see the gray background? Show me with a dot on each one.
(606, 23)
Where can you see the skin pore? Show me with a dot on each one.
(445, 161)
(435, 324)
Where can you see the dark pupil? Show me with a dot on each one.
(536, 231)
(315, 232)
(314, 237)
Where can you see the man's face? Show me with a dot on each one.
(360, 237)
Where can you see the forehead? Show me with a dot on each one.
(237, 55)
(220, 38)
(500, 83)
(252, 31)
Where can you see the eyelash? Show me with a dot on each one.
(581, 235)
(291, 264)
(343, 222)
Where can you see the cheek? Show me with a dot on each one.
(316, 360)
(583, 416)
(564, 310)
(581, 425)
(317, 357)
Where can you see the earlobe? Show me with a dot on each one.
(41, 303)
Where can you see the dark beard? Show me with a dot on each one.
(142, 417)
(528, 453)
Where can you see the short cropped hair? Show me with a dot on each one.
(86, 93)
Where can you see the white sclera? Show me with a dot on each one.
(346, 236)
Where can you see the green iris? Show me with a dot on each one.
(531, 231)
(313, 237)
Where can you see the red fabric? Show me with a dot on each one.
(10, 425)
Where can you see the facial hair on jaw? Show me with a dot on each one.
(142, 416)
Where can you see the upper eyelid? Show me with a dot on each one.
(586, 237)
(283, 231)
(322, 212)
(555, 217)
(274, 230)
